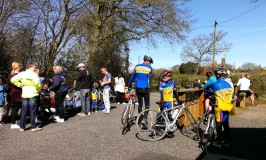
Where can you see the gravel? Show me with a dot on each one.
(98, 137)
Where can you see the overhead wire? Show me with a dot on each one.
(244, 12)
(230, 19)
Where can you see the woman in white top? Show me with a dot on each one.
(119, 88)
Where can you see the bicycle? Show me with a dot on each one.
(127, 115)
(153, 125)
(206, 131)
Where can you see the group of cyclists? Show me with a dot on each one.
(219, 94)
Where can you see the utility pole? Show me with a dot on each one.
(214, 45)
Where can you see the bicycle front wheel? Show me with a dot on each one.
(132, 108)
(151, 125)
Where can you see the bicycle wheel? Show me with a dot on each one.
(206, 131)
(125, 115)
(132, 107)
(151, 125)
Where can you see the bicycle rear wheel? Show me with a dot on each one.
(151, 125)
(132, 108)
(206, 131)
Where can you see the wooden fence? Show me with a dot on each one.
(195, 103)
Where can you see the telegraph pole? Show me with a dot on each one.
(214, 45)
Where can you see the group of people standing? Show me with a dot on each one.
(25, 89)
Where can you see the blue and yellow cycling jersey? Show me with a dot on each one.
(224, 95)
(143, 75)
(168, 89)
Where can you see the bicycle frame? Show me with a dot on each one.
(183, 107)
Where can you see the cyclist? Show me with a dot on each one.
(167, 88)
(143, 75)
(208, 93)
(224, 96)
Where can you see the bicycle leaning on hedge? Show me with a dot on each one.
(127, 118)
(153, 125)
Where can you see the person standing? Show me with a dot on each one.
(15, 93)
(224, 94)
(85, 80)
(60, 88)
(119, 88)
(3, 102)
(30, 84)
(243, 85)
(143, 75)
(106, 83)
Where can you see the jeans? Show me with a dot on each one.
(94, 106)
(28, 104)
(106, 98)
(85, 100)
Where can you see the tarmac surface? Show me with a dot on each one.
(99, 137)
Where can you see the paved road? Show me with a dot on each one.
(98, 137)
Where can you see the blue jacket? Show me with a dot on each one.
(210, 82)
(143, 74)
(59, 82)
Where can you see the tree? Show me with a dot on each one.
(200, 48)
(11, 12)
(189, 68)
(175, 68)
(109, 24)
(248, 66)
(55, 28)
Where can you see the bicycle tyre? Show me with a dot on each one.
(206, 138)
(132, 108)
(155, 128)
(125, 115)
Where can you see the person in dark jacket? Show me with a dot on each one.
(15, 93)
(85, 80)
(60, 88)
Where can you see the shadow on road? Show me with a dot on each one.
(245, 143)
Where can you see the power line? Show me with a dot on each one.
(210, 26)
(243, 13)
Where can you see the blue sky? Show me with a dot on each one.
(244, 22)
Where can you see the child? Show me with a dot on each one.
(3, 102)
(167, 88)
(46, 97)
(94, 102)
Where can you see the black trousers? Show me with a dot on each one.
(143, 93)
(119, 97)
(222, 134)
(14, 113)
(59, 103)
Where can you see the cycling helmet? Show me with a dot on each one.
(166, 73)
(220, 71)
(148, 58)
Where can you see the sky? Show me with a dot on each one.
(244, 22)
